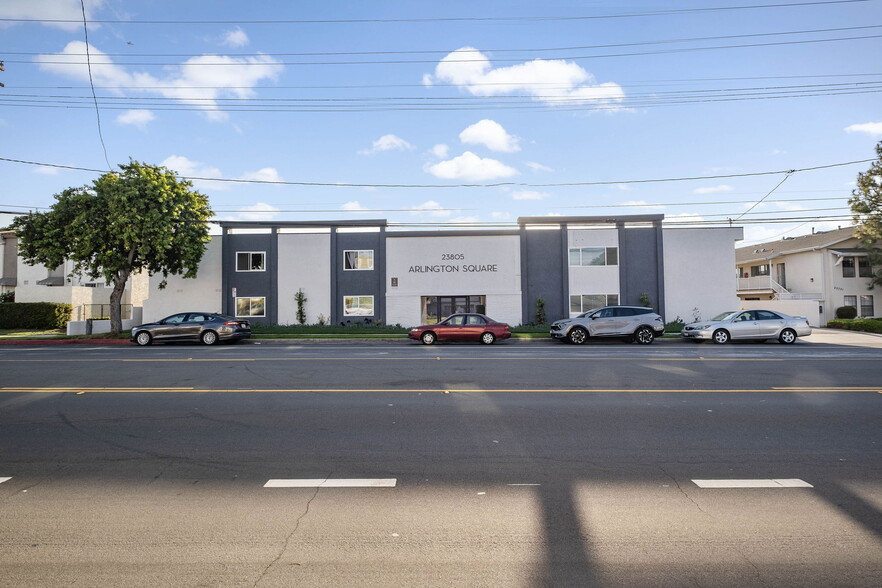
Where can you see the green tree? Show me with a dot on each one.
(866, 206)
(141, 218)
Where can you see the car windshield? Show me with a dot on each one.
(587, 313)
(726, 315)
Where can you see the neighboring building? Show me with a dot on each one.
(828, 269)
(358, 271)
(38, 283)
(8, 261)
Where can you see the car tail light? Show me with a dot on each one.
(234, 323)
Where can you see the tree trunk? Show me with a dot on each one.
(119, 285)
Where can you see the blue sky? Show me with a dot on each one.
(541, 108)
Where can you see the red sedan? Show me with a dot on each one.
(462, 327)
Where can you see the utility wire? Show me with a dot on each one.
(758, 202)
(457, 19)
(491, 185)
(92, 85)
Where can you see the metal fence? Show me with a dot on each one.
(98, 311)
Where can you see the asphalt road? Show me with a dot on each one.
(453, 465)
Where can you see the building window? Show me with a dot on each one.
(358, 306)
(759, 270)
(580, 303)
(437, 308)
(866, 305)
(864, 269)
(250, 261)
(253, 306)
(358, 260)
(848, 267)
(585, 256)
(850, 301)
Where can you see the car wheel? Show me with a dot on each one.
(488, 338)
(428, 338)
(209, 338)
(578, 336)
(143, 338)
(644, 335)
(787, 336)
(721, 336)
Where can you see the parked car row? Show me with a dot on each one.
(631, 323)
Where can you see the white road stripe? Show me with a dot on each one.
(4, 479)
(760, 483)
(332, 483)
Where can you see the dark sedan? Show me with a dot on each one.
(462, 327)
(205, 327)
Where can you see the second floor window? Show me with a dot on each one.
(358, 260)
(848, 267)
(594, 256)
(864, 268)
(250, 261)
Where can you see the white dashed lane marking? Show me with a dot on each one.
(332, 483)
(4, 479)
(760, 483)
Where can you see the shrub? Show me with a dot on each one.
(846, 312)
(8, 296)
(864, 325)
(675, 326)
(34, 315)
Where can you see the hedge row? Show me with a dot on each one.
(34, 315)
(865, 325)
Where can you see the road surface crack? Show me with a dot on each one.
(287, 539)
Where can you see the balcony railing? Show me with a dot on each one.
(760, 283)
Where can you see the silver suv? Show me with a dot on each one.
(634, 323)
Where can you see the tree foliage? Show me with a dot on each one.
(141, 218)
(866, 206)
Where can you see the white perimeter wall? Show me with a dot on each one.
(304, 262)
(501, 285)
(700, 272)
(199, 294)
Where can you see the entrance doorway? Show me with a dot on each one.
(437, 308)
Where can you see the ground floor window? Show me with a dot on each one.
(867, 305)
(849, 300)
(437, 308)
(580, 303)
(251, 306)
(358, 306)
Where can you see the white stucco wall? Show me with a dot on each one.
(806, 308)
(699, 267)
(304, 263)
(479, 265)
(593, 279)
(182, 295)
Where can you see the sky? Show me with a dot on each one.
(461, 114)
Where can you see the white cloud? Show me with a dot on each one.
(713, 189)
(137, 118)
(497, 215)
(529, 195)
(266, 174)
(464, 220)
(550, 81)
(235, 38)
(642, 204)
(45, 170)
(259, 212)
(51, 10)
(492, 135)
(440, 151)
(192, 82)
(432, 208)
(387, 143)
(470, 167)
(538, 167)
(353, 206)
(871, 128)
(186, 167)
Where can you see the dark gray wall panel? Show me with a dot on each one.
(358, 283)
(641, 266)
(251, 283)
(543, 273)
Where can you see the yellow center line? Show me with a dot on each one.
(81, 390)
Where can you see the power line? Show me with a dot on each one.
(490, 185)
(92, 85)
(650, 13)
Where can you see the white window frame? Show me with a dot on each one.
(359, 299)
(249, 254)
(236, 303)
(606, 298)
(606, 256)
(357, 252)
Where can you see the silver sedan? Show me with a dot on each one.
(758, 325)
